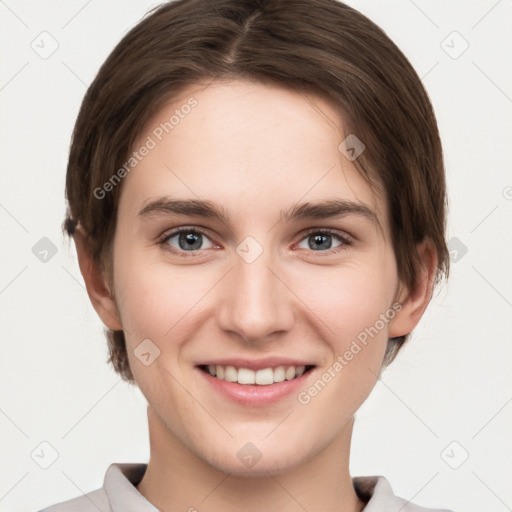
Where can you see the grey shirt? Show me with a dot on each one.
(119, 494)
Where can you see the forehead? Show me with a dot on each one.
(244, 144)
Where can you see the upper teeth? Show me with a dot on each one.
(263, 377)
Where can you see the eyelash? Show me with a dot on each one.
(345, 240)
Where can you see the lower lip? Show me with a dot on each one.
(256, 395)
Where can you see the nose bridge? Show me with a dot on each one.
(255, 302)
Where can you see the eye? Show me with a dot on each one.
(190, 240)
(321, 240)
(186, 239)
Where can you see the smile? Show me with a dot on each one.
(262, 377)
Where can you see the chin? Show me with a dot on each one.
(269, 464)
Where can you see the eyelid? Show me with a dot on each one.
(343, 235)
(177, 230)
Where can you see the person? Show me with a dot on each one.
(256, 191)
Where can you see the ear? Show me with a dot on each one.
(414, 302)
(96, 283)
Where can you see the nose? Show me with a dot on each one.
(256, 302)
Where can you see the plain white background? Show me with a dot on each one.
(437, 425)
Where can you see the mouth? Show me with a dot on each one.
(256, 382)
(262, 377)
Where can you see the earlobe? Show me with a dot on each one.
(96, 283)
(414, 302)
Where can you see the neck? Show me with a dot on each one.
(177, 480)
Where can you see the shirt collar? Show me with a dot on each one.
(121, 480)
(119, 484)
(376, 492)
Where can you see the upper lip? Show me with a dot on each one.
(257, 364)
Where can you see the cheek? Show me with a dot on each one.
(160, 304)
(349, 301)
(159, 301)
(353, 308)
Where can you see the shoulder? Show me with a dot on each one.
(118, 494)
(379, 497)
(93, 501)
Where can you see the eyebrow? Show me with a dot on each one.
(163, 206)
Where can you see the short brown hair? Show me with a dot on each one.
(319, 46)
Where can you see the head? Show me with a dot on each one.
(255, 108)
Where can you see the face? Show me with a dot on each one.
(228, 260)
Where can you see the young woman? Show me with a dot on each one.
(257, 196)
